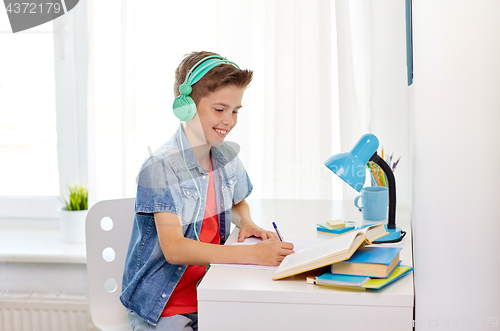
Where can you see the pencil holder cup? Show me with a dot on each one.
(375, 201)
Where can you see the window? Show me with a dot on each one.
(28, 137)
(42, 129)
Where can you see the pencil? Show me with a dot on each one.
(374, 173)
(382, 177)
(395, 164)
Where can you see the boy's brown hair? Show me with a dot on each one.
(219, 76)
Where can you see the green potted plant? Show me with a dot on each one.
(72, 215)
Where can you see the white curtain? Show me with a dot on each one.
(373, 92)
(354, 47)
(292, 112)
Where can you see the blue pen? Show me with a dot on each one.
(276, 228)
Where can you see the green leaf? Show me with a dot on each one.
(78, 197)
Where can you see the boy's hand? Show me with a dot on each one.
(249, 229)
(271, 251)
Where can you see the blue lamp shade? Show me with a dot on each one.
(351, 166)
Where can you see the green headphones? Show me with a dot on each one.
(184, 106)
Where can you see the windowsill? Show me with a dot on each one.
(37, 242)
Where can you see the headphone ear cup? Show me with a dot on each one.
(184, 108)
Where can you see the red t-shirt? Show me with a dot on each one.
(184, 297)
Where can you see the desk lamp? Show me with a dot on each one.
(351, 168)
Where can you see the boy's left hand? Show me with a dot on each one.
(249, 229)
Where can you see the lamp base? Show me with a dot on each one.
(393, 236)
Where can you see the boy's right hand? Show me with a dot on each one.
(272, 251)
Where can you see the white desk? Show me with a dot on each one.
(247, 299)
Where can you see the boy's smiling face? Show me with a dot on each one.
(218, 113)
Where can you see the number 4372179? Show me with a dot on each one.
(33, 8)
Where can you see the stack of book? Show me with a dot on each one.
(368, 268)
(335, 227)
(351, 264)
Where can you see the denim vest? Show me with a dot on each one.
(165, 185)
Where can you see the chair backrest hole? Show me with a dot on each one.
(107, 223)
(110, 285)
(108, 254)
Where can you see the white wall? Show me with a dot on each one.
(456, 177)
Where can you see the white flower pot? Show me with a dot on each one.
(72, 225)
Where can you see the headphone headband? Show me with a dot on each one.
(196, 73)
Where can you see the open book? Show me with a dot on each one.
(328, 252)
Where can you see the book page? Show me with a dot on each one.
(374, 232)
(318, 251)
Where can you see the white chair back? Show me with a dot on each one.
(108, 229)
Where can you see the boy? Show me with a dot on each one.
(188, 192)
